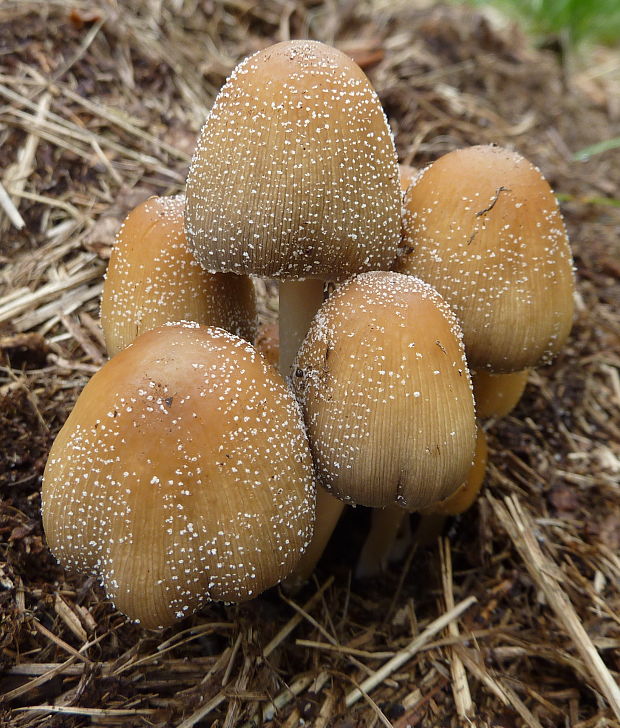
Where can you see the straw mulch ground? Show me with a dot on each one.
(100, 105)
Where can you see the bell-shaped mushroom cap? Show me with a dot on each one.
(153, 278)
(182, 475)
(386, 393)
(483, 227)
(295, 173)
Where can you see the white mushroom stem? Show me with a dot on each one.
(379, 543)
(299, 301)
(328, 512)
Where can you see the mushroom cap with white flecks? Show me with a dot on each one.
(153, 278)
(295, 173)
(383, 383)
(182, 475)
(483, 227)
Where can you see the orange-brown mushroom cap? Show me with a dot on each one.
(386, 394)
(183, 474)
(483, 227)
(153, 278)
(295, 173)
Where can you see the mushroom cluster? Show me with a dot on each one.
(190, 468)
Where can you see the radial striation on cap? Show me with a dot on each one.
(153, 278)
(182, 475)
(295, 173)
(483, 227)
(386, 394)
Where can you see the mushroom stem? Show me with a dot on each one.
(384, 528)
(328, 512)
(299, 301)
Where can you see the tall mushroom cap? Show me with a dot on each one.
(153, 278)
(183, 474)
(295, 172)
(483, 227)
(386, 394)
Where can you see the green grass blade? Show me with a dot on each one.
(599, 148)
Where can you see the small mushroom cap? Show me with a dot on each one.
(483, 227)
(465, 495)
(295, 173)
(182, 475)
(386, 393)
(497, 394)
(153, 278)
